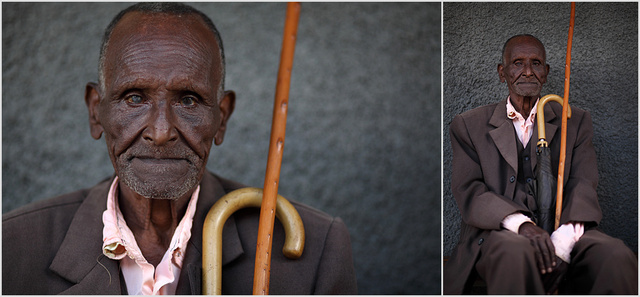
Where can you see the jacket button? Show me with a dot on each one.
(480, 241)
(512, 178)
(528, 180)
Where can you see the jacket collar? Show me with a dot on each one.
(504, 135)
(80, 261)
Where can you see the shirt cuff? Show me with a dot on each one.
(565, 238)
(513, 221)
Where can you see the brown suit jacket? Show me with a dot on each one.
(54, 247)
(485, 167)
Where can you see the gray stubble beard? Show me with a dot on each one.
(160, 191)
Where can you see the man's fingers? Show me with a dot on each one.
(542, 245)
(544, 253)
(548, 252)
(552, 252)
(538, 255)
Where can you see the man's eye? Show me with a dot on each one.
(134, 99)
(188, 101)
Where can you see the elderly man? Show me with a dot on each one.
(493, 163)
(160, 103)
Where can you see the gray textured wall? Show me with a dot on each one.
(604, 81)
(365, 90)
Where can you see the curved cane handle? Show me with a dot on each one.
(542, 134)
(218, 215)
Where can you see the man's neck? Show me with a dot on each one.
(523, 104)
(152, 221)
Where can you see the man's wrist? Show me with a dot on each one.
(513, 221)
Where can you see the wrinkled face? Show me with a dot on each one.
(523, 67)
(160, 108)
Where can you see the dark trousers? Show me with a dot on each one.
(600, 264)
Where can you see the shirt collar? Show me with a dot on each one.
(512, 114)
(118, 240)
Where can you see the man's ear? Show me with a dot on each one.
(92, 99)
(544, 79)
(227, 104)
(501, 73)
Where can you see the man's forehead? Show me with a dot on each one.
(162, 47)
(523, 42)
(152, 33)
(524, 47)
(137, 23)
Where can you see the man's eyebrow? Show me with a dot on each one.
(121, 85)
(189, 85)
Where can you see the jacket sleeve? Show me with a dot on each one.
(336, 272)
(480, 205)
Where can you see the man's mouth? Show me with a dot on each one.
(150, 156)
(158, 160)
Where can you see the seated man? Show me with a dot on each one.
(493, 163)
(160, 103)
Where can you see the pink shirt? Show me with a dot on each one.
(141, 277)
(524, 128)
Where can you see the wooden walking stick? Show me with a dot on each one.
(269, 201)
(565, 108)
(267, 211)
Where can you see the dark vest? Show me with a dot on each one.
(524, 194)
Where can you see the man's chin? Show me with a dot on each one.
(528, 92)
(161, 186)
(165, 191)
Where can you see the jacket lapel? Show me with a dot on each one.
(80, 259)
(504, 135)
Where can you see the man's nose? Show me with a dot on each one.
(161, 125)
(527, 71)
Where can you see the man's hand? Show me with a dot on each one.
(541, 242)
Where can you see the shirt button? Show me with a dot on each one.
(480, 241)
(512, 178)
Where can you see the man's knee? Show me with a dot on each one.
(616, 254)
(508, 247)
(602, 265)
(618, 250)
(606, 248)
